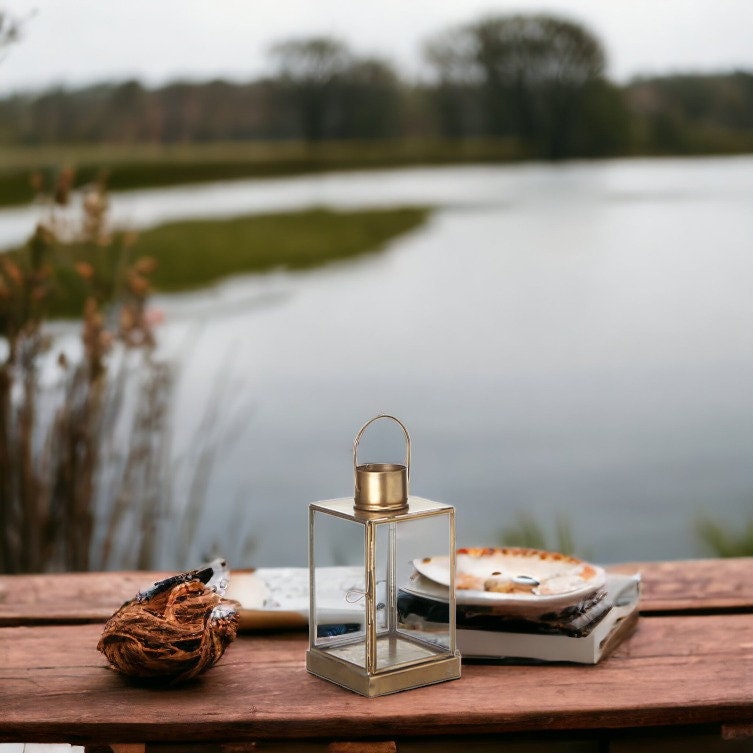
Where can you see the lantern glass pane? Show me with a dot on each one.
(405, 635)
(338, 588)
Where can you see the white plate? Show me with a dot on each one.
(563, 580)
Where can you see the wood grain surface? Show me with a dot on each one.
(711, 585)
(68, 597)
(677, 586)
(684, 670)
(690, 662)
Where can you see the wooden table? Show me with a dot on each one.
(685, 678)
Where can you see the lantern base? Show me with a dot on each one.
(356, 678)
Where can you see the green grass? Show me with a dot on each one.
(133, 166)
(723, 542)
(528, 532)
(153, 165)
(194, 253)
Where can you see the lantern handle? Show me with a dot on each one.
(363, 429)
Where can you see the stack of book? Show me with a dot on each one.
(568, 611)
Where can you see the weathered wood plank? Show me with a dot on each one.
(695, 585)
(679, 586)
(68, 597)
(688, 670)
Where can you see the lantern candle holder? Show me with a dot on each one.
(361, 555)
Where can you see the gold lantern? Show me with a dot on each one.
(362, 551)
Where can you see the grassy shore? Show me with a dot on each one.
(193, 254)
(153, 165)
(134, 166)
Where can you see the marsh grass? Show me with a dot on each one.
(527, 531)
(193, 253)
(723, 542)
(57, 412)
(135, 166)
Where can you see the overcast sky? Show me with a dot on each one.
(74, 42)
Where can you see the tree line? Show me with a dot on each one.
(536, 80)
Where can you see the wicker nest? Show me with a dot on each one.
(175, 630)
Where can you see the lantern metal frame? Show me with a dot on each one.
(431, 662)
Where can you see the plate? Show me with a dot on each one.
(503, 576)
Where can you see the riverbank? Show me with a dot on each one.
(196, 253)
(137, 166)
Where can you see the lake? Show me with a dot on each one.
(572, 342)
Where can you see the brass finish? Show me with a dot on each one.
(358, 680)
(385, 654)
(381, 486)
(418, 508)
(364, 675)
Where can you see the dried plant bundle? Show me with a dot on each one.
(174, 631)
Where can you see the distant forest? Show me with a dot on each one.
(536, 81)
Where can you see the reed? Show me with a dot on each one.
(723, 542)
(526, 531)
(57, 411)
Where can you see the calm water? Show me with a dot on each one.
(569, 340)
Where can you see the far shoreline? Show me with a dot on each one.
(142, 166)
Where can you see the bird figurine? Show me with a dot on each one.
(175, 630)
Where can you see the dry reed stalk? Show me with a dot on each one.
(52, 469)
